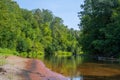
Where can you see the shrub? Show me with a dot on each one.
(7, 52)
(63, 53)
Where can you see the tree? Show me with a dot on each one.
(96, 23)
(34, 32)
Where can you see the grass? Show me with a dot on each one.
(63, 54)
(32, 54)
(7, 52)
(4, 52)
(2, 60)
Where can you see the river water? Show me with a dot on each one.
(81, 68)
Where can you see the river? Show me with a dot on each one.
(81, 68)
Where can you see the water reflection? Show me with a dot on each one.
(81, 68)
(66, 66)
(76, 78)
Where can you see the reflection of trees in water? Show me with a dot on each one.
(64, 65)
(75, 67)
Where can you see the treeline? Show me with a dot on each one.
(100, 27)
(35, 32)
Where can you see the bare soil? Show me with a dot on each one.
(18, 68)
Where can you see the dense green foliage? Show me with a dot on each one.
(35, 32)
(100, 27)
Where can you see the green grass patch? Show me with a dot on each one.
(36, 54)
(7, 52)
(63, 53)
(81, 52)
(2, 60)
(32, 54)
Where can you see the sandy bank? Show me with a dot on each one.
(18, 68)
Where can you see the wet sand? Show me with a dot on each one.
(32, 69)
(38, 71)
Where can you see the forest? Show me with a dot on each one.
(34, 33)
(37, 32)
(100, 27)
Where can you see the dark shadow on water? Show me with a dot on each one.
(116, 77)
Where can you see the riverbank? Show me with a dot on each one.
(17, 68)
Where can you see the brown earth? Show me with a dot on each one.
(18, 68)
(28, 69)
(38, 71)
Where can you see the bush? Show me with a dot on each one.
(32, 54)
(36, 54)
(63, 53)
(7, 52)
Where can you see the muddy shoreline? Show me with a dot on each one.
(28, 69)
(38, 71)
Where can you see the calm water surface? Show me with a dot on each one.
(81, 68)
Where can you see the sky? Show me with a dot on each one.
(65, 9)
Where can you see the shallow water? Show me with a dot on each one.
(81, 68)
